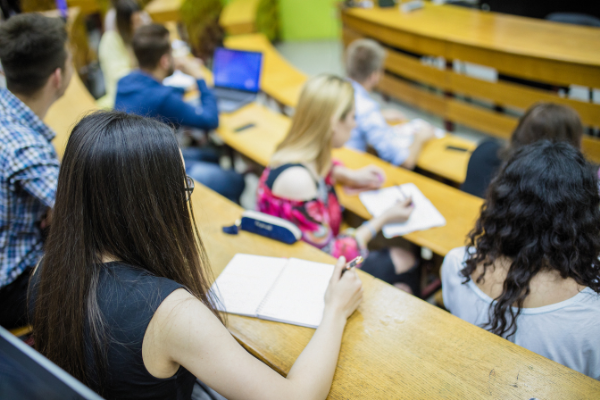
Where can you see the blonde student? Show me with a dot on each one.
(298, 184)
(120, 299)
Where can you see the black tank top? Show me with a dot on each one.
(128, 298)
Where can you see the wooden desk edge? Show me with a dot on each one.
(553, 56)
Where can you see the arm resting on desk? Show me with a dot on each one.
(381, 136)
(184, 332)
(421, 137)
(205, 116)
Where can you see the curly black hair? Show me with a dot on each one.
(541, 212)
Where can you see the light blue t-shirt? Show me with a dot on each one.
(567, 332)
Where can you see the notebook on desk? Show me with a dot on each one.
(424, 215)
(275, 289)
(236, 76)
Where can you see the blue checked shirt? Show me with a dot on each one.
(372, 130)
(28, 176)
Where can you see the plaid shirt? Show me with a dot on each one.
(28, 176)
(372, 130)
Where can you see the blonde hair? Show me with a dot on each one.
(363, 57)
(324, 98)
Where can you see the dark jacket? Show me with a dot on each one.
(141, 94)
(483, 167)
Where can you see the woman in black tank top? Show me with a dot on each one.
(121, 299)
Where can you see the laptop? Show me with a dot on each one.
(236, 76)
(26, 374)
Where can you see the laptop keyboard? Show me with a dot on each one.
(233, 95)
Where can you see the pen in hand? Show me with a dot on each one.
(405, 196)
(358, 260)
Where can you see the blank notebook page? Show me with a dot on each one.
(298, 296)
(423, 216)
(245, 282)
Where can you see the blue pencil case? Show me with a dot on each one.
(266, 225)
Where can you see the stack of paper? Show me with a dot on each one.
(424, 215)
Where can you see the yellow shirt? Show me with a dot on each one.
(116, 61)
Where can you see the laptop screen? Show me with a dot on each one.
(236, 69)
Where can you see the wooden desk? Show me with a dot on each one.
(551, 53)
(395, 346)
(259, 142)
(239, 17)
(279, 79)
(528, 48)
(162, 11)
(67, 111)
(460, 209)
(443, 162)
(86, 6)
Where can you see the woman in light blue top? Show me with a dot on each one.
(531, 270)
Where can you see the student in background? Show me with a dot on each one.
(142, 93)
(111, 21)
(38, 69)
(542, 121)
(115, 52)
(121, 298)
(298, 184)
(364, 66)
(531, 271)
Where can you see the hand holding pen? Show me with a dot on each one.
(399, 212)
(357, 261)
(410, 203)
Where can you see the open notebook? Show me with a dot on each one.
(276, 289)
(424, 215)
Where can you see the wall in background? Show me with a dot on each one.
(309, 19)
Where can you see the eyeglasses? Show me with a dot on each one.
(189, 188)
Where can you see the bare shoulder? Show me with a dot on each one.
(295, 183)
(179, 306)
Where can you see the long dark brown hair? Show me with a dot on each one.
(546, 121)
(124, 10)
(542, 213)
(121, 192)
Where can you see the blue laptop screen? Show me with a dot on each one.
(235, 69)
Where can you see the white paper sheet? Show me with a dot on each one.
(407, 131)
(424, 215)
(245, 282)
(298, 296)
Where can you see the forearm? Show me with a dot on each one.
(313, 371)
(341, 175)
(413, 155)
(182, 113)
(366, 232)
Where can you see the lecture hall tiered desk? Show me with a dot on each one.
(556, 55)
(395, 346)
(237, 17)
